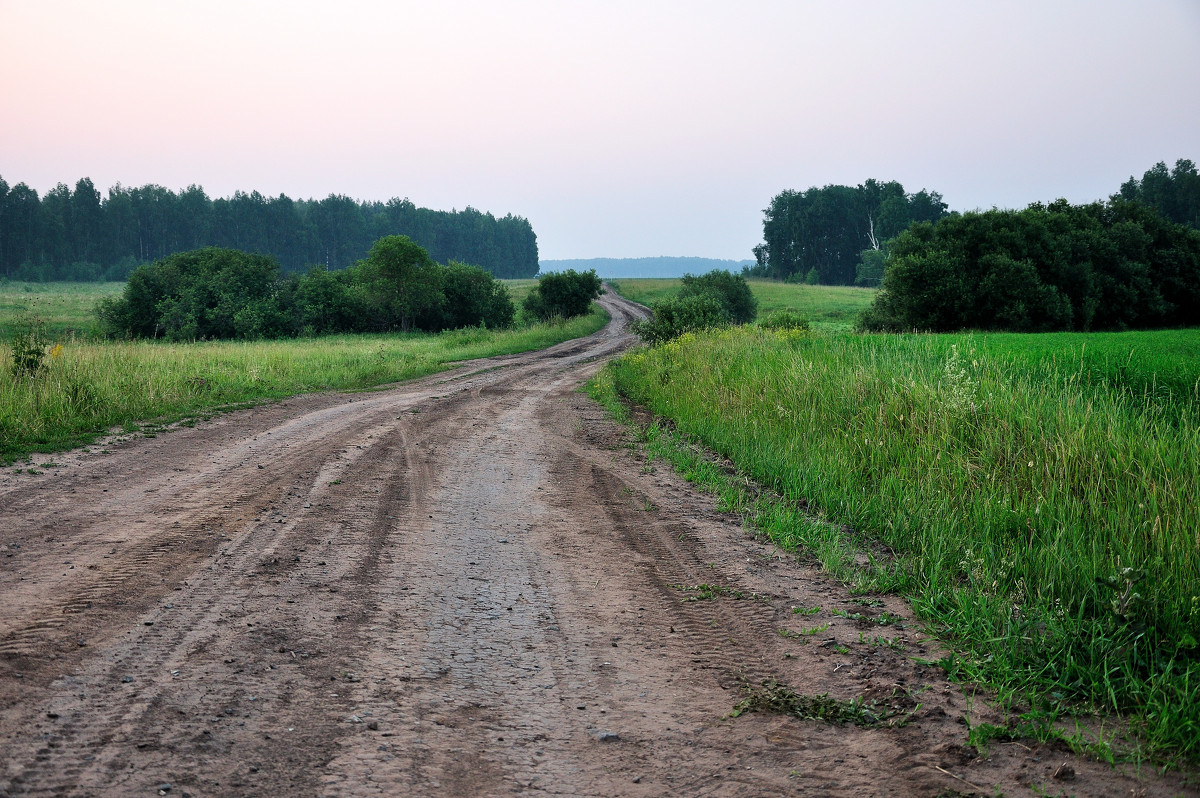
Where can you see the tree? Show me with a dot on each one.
(826, 229)
(732, 291)
(403, 281)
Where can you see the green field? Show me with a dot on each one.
(89, 386)
(1003, 483)
(828, 307)
(66, 308)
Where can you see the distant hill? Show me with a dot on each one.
(644, 267)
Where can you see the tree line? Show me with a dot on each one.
(215, 293)
(820, 235)
(80, 235)
(1110, 265)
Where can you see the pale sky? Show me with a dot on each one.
(619, 129)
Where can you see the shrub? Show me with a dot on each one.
(1105, 266)
(565, 294)
(674, 317)
(196, 294)
(731, 290)
(473, 297)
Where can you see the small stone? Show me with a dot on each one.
(608, 737)
(127, 679)
(373, 725)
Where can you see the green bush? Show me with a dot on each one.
(1105, 266)
(564, 294)
(675, 316)
(223, 293)
(731, 290)
(473, 297)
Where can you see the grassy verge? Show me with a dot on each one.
(829, 307)
(87, 388)
(1036, 498)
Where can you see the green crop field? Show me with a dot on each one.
(1036, 497)
(828, 307)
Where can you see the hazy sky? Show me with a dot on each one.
(619, 129)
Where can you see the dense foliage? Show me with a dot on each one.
(823, 232)
(674, 316)
(562, 294)
(716, 299)
(1105, 266)
(1174, 194)
(731, 290)
(223, 293)
(79, 235)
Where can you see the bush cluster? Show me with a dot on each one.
(716, 299)
(562, 294)
(224, 293)
(1105, 266)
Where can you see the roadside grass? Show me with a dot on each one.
(87, 388)
(67, 309)
(1036, 498)
(828, 307)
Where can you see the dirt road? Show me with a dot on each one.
(465, 585)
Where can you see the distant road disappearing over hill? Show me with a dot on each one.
(644, 267)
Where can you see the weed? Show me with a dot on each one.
(805, 610)
(809, 632)
(707, 592)
(772, 696)
(28, 346)
(882, 619)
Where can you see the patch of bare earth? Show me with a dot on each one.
(464, 585)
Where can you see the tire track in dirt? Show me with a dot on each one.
(454, 586)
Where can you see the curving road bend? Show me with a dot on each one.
(470, 584)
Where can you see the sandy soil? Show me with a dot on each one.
(464, 585)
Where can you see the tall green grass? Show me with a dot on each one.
(87, 388)
(1013, 478)
(828, 307)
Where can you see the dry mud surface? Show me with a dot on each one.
(464, 585)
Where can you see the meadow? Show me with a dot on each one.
(830, 308)
(1035, 497)
(90, 386)
(66, 308)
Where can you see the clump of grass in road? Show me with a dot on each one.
(707, 592)
(827, 307)
(1015, 486)
(84, 389)
(774, 697)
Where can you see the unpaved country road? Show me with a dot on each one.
(464, 585)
